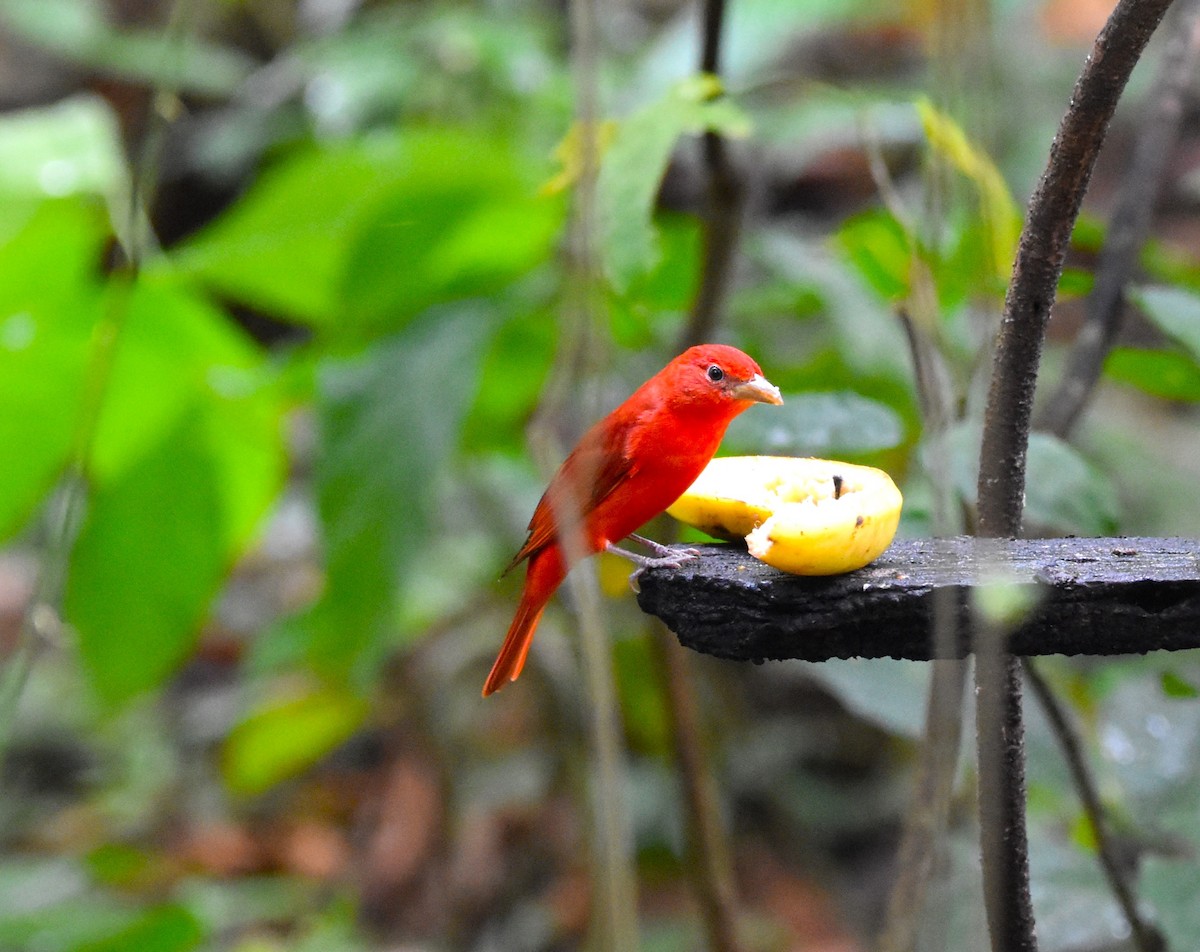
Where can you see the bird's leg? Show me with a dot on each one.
(667, 558)
(663, 551)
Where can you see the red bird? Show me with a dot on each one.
(628, 468)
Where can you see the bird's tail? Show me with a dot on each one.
(544, 575)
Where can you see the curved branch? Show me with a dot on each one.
(1040, 253)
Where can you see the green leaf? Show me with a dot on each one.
(1075, 283)
(72, 147)
(634, 164)
(816, 424)
(281, 739)
(965, 269)
(388, 422)
(174, 349)
(880, 249)
(147, 562)
(167, 928)
(359, 238)
(1064, 492)
(180, 487)
(884, 691)
(1003, 602)
(121, 865)
(1175, 685)
(52, 253)
(49, 303)
(1162, 373)
(999, 212)
(511, 376)
(636, 669)
(464, 220)
(1175, 311)
(79, 31)
(281, 247)
(657, 301)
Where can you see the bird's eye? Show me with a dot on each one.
(715, 373)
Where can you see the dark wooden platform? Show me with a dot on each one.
(1086, 596)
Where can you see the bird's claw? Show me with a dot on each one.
(674, 560)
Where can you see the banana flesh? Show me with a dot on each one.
(804, 516)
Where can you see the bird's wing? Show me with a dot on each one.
(594, 470)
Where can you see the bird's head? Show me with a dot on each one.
(720, 375)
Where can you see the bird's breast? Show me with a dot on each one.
(667, 459)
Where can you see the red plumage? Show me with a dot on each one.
(627, 468)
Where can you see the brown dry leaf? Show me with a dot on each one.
(315, 850)
(17, 578)
(222, 849)
(477, 868)
(570, 900)
(407, 826)
(800, 904)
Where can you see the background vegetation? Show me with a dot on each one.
(285, 289)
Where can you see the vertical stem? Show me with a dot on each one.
(615, 909)
(724, 203)
(708, 863)
(925, 821)
(709, 867)
(1040, 253)
(1001, 751)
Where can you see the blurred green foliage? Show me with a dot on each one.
(397, 220)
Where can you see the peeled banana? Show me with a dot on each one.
(804, 516)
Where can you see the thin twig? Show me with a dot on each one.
(1040, 253)
(1133, 211)
(41, 623)
(710, 869)
(925, 821)
(928, 812)
(725, 200)
(615, 910)
(709, 866)
(1145, 936)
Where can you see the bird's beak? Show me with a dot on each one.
(758, 389)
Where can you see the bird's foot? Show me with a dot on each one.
(664, 551)
(666, 557)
